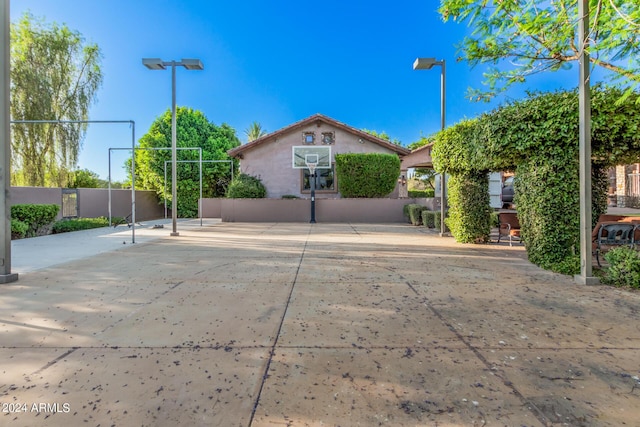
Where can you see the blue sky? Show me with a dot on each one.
(275, 62)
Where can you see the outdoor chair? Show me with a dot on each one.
(508, 226)
(614, 234)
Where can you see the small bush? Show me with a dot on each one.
(18, 229)
(35, 216)
(429, 218)
(414, 212)
(246, 186)
(624, 267)
(405, 211)
(76, 224)
(430, 192)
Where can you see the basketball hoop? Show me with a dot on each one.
(311, 160)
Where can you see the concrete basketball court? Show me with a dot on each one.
(279, 324)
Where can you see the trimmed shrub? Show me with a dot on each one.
(469, 207)
(367, 175)
(429, 218)
(405, 210)
(35, 216)
(430, 192)
(18, 229)
(414, 212)
(624, 267)
(245, 186)
(76, 224)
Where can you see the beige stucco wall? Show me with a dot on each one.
(93, 202)
(299, 210)
(272, 162)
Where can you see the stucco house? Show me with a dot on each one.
(270, 157)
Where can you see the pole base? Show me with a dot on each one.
(8, 278)
(174, 234)
(588, 280)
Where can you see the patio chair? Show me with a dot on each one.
(509, 226)
(614, 234)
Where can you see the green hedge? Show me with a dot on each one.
(538, 139)
(76, 224)
(469, 207)
(414, 212)
(34, 216)
(367, 175)
(430, 192)
(429, 219)
(245, 186)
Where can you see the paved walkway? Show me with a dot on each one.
(309, 325)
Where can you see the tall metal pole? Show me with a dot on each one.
(200, 202)
(443, 192)
(5, 149)
(312, 182)
(109, 186)
(133, 182)
(174, 151)
(584, 105)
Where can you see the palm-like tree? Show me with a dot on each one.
(254, 131)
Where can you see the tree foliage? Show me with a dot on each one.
(84, 178)
(193, 130)
(518, 38)
(383, 135)
(254, 131)
(54, 76)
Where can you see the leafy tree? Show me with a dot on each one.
(54, 76)
(84, 178)
(382, 135)
(524, 37)
(193, 130)
(254, 131)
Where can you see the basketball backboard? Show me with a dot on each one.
(301, 154)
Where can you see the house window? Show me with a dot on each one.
(328, 138)
(325, 180)
(309, 138)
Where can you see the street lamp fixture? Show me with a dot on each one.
(159, 64)
(427, 64)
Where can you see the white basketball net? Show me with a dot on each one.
(312, 162)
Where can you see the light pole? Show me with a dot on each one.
(159, 64)
(427, 64)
